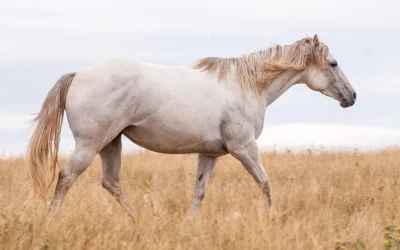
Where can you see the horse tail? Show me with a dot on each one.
(42, 152)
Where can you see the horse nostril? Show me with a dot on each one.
(354, 96)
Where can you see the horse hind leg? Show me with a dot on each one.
(78, 162)
(111, 165)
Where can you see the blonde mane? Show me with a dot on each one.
(257, 70)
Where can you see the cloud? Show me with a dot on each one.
(14, 121)
(327, 135)
(192, 16)
(59, 30)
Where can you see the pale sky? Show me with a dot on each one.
(40, 40)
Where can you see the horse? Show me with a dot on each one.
(212, 108)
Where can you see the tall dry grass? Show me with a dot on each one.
(320, 197)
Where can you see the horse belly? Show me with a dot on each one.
(167, 137)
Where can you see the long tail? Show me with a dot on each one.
(42, 153)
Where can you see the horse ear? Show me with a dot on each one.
(316, 40)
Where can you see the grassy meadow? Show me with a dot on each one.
(325, 200)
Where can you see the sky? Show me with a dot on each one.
(41, 40)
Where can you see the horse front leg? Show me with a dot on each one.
(205, 166)
(249, 156)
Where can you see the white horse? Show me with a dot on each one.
(215, 108)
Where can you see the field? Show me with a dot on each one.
(325, 200)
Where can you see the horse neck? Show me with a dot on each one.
(274, 90)
(280, 84)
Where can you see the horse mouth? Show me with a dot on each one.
(346, 104)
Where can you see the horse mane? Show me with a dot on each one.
(257, 70)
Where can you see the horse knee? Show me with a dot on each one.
(106, 185)
(111, 186)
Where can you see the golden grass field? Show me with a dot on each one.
(320, 197)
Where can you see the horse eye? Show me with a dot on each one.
(333, 64)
